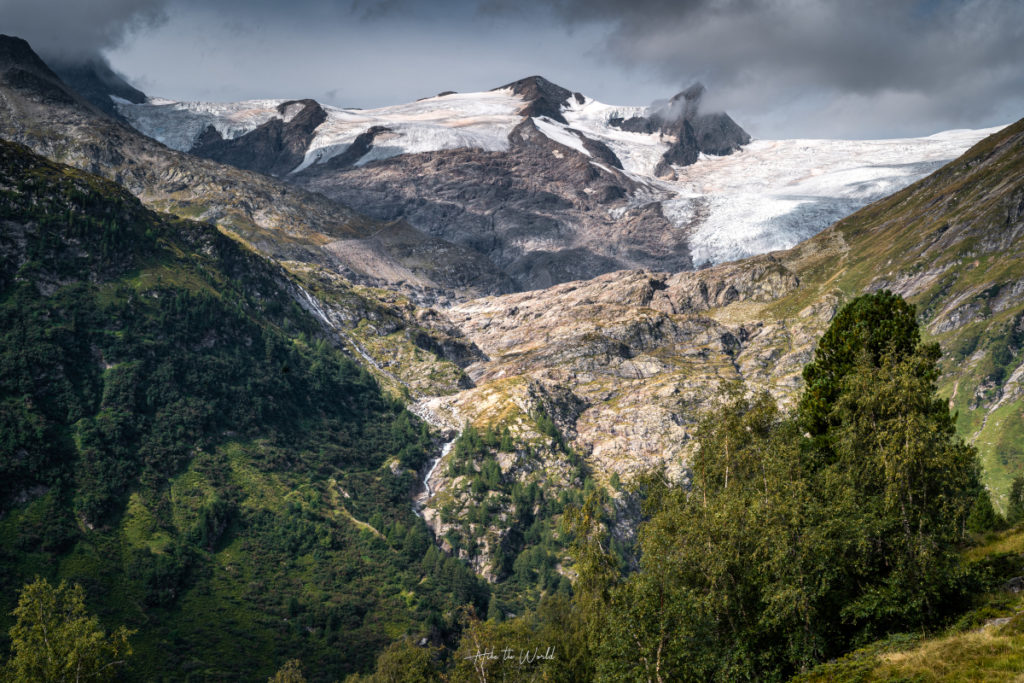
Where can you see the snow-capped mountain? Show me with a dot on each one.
(552, 185)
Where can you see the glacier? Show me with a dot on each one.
(769, 195)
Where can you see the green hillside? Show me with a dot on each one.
(953, 244)
(985, 644)
(179, 438)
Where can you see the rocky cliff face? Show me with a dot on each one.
(274, 147)
(542, 212)
(635, 354)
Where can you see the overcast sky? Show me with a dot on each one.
(781, 68)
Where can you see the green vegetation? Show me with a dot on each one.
(514, 517)
(800, 538)
(177, 437)
(56, 640)
(984, 644)
(291, 672)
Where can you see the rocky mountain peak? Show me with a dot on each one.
(694, 92)
(692, 132)
(16, 51)
(23, 70)
(543, 97)
(62, 79)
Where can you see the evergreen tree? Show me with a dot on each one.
(873, 324)
(983, 516)
(896, 485)
(1015, 506)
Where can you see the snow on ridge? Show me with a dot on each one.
(460, 120)
(772, 194)
(639, 153)
(179, 124)
(560, 133)
(769, 195)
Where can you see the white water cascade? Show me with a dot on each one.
(424, 496)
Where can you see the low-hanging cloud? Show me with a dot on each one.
(73, 29)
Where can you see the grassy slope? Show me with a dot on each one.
(986, 644)
(953, 244)
(178, 439)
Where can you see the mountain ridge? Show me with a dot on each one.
(281, 220)
(674, 188)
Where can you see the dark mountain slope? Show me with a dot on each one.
(274, 148)
(177, 435)
(93, 79)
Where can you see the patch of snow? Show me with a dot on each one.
(639, 153)
(179, 124)
(118, 100)
(461, 120)
(292, 110)
(476, 120)
(560, 133)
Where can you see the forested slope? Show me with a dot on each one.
(179, 437)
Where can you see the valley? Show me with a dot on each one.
(467, 319)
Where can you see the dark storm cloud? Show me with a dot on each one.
(864, 46)
(937, 63)
(856, 68)
(74, 28)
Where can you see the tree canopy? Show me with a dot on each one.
(801, 535)
(873, 324)
(55, 639)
